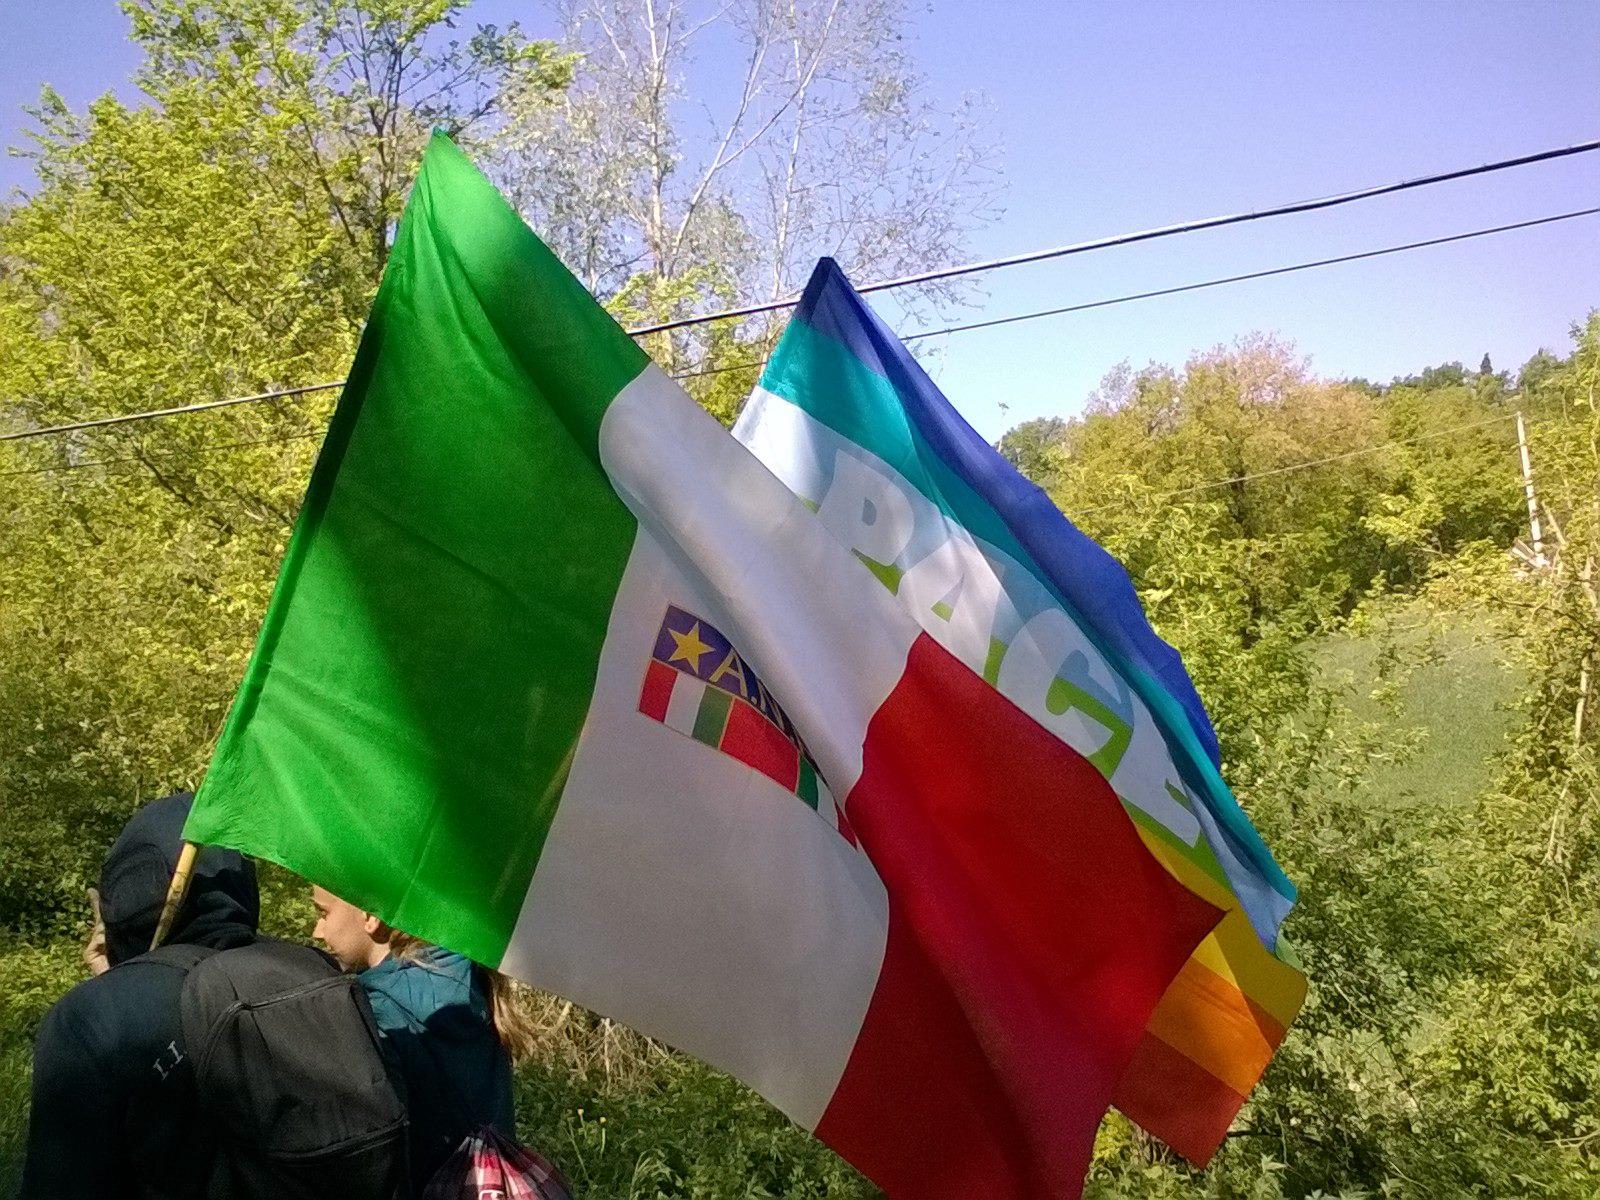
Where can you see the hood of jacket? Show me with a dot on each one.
(223, 905)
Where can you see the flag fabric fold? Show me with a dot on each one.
(558, 674)
(991, 569)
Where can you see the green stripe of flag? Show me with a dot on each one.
(404, 728)
(806, 789)
(712, 718)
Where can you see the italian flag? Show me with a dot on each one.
(558, 674)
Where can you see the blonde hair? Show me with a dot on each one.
(513, 1024)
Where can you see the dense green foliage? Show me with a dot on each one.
(1449, 1043)
(1350, 625)
(223, 239)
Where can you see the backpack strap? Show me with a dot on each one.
(180, 956)
(196, 1148)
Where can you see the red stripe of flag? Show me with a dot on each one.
(757, 742)
(1030, 936)
(657, 693)
(1168, 1092)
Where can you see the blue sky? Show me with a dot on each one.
(1116, 117)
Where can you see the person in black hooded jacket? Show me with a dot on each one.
(113, 1094)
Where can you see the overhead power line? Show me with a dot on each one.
(1145, 235)
(1036, 314)
(17, 435)
(1131, 297)
(1267, 274)
(1209, 485)
(205, 448)
(972, 268)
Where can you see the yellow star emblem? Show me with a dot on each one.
(688, 647)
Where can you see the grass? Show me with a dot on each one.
(628, 1119)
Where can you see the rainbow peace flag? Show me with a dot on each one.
(989, 568)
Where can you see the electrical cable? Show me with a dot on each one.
(1191, 287)
(1249, 275)
(17, 435)
(205, 406)
(1144, 235)
(206, 448)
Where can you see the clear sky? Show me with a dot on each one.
(1118, 116)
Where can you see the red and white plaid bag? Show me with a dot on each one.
(489, 1166)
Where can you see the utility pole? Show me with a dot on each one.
(1539, 560)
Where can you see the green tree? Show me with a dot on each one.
(1535, 374)
(1027, 446)
(344, 94)
(222, 238)
(1448, 1045)
(1450, 374)
(1224, 439)
(1515, 1053)
(1454, 450)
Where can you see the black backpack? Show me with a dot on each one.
(290, 1075)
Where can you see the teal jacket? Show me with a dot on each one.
(433, 1013)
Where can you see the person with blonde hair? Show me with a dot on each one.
(453, 1029)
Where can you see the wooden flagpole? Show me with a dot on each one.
(175, 893)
